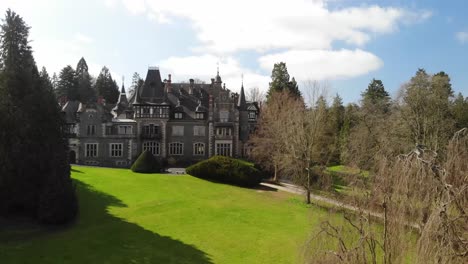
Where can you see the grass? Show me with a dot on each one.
(155, 218)
(348, 170)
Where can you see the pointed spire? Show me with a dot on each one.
(242, 104)
(218, 78)
(123, 85)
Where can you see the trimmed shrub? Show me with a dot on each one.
(227, 170)
(146, 163)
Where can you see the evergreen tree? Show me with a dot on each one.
(67, 84)
(54, 81)
(34, 171)
(137, 82)
(106, 87)
(280, 81)
(375, 91)
(86, 93)
(47, 82)
(459, 111)
(336, 120)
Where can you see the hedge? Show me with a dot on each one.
(146, 163)
(226, 170)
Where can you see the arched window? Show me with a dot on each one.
(176, 148)
(199, 149)
(153, 147)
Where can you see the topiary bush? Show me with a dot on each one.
(226, 170)
(146, 163)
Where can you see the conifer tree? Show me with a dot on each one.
(86, 93)
(67, 84)
(280, 81)
(106, 87)
(34, 171)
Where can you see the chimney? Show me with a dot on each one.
(190, 91)
(169, 78)
(212, 80)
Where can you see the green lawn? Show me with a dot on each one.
(155, 218)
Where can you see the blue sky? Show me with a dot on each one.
(343, 43)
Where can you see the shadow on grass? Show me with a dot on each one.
(75, 170)
(98, 237)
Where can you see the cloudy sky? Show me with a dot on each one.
(343, 42)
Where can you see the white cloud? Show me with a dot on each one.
(324, 64)
(135, 6)
(83, 38)
(262, 25)
(204, 67)
(304, 30)
(110, 3)
(462, 37)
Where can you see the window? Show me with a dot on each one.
(178, 115)
(252, 115)
(223, 131)
(108, 130)
(199, 131)
(150, 130)
(91, 150)
(199, 149)
(116, 150)
(223, 149)
(224, 116)
(177, 130)
(199, 116)
(125, 130)
(121, 163)
(176, 148)
(153, 147)
(91, 130)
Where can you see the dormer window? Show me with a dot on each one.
(252, 115)
(199, 116)
(178, 115)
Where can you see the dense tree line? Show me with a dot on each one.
(34, 169)
(81, 86)
(297, 134)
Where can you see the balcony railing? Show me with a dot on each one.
(151, 136)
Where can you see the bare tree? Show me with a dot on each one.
(254, 94)
(417, 191)
(269, 141)
(303, 133)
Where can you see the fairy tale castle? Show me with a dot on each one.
(177, 122)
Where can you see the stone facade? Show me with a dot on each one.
(180, 123)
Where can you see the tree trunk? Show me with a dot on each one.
(308, 186)
(275, 176)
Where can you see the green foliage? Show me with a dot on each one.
(376, 95)
(226, 170)
(107, 87)
(34, 171)
(68, 84)
(146, 163)
(84, 82)
(280, 81)
(459, 110)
